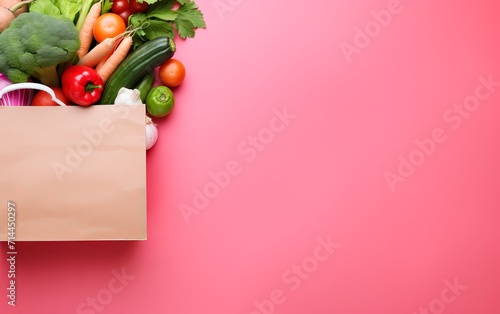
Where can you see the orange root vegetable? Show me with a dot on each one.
(115, 59)
(99, 53)
(116, 44)
(8, 15)
(86, 34)
(101, 63)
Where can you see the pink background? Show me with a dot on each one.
(321, 176)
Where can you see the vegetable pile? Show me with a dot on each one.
(93, 52)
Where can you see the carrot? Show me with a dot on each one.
(103, 60)
(98, 53)
(87, 34)
(115, 59)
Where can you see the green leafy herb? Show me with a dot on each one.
(163, 10)
(45, 7)
(161, 19)
(188, 20)
(106, 6)
(75, 10)
(69, 8)
(148, 1)
(159, 28)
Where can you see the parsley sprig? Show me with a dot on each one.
(161, 19)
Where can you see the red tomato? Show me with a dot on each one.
(42, 98)
(138, 7)
(120, 6)
(172, 73)
(108, 25)
(125, 15)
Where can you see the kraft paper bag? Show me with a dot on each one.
(73, 173)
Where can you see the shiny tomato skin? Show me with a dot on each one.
(108, 25)
(172, 73)
(125, 15)
(120, 6)
(42, 98)
(138, 7)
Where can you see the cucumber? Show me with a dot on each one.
(145, 85)
(137, 64)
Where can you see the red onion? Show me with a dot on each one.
(21, 97)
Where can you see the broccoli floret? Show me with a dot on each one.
(34, 44)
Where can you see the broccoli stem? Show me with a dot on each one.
(87, 4)
(47, 76)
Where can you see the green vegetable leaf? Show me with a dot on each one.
(106, 6)
(45, 7)
(164, 15)
(137, 22)
(137, 19)
(148, 1)
(163, 10)
(161, 6)
(190, 11)
(154, 28)
(162, 20)
(188, 20)
(69, 8)
(158, 28)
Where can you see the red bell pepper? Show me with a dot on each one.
(82, 85)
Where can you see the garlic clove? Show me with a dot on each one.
(151, 133)
(127, 96)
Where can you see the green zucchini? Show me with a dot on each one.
(138, 63)
(145, 85)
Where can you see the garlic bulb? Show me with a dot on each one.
(151, 133)
(128, 97)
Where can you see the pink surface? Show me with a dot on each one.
(427, 240)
